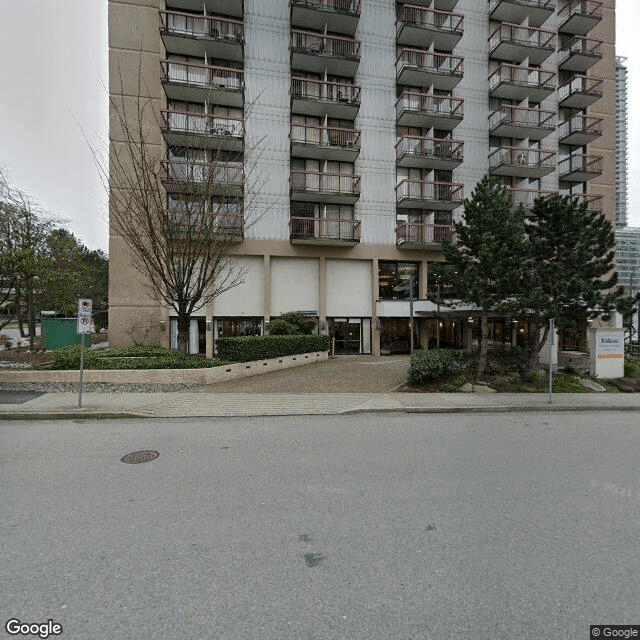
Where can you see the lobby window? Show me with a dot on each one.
(395, 274)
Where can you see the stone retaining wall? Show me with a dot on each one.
(166, 376)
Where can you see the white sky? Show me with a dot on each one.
(54, 74)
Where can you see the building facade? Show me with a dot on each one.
(374, 119)
(621, 142)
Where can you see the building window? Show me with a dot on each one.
(396, 275)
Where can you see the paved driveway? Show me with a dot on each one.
(344, 374)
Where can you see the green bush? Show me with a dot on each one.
(426, 366)
(281, 327)
(139, 357)
(508, 359)
(631, 368)
(248, 348)
(292, 323)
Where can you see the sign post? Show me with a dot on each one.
(552, 331)
(85, 306)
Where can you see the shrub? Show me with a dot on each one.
(248, 348)
(426, 366)
(631, 368)
(292, 323)
(508, 359)
(281, 327)
(137, 357)
(69, 358)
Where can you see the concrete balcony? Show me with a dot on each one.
(579, 54)
(512, 82)
(526, 197)
(521, 162)
(214, 178)
(515, 43)
(579, 168)
(231, 8)
(512, 121)
(433, 153)
(202, 83)
(579, 16)
(580, 130)
(421, 27)
(190, 34)
(319, 98)
(424, 236)
(516, 11)
(337, 16)
(317, 53)
(415, 67)
(325, 143)
(580, 92)
(420, 194)
(327, 231)
(188, 129)
(594, 202)
(315, 186)
(428, 111)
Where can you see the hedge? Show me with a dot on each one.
(129, 358)
(248, 348)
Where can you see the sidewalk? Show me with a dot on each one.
(191, 404)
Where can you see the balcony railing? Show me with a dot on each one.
(201, 124)
(508, 114)
(205, 226)
(337, 6)
(522, 156)
(325, 45)
(593, 202)
(202, 75)
(432, 191)
(331, 229)
(580, 44)
(418, 146)
(526, 197)
(580, 125)
(580, 91)
(428, 103)
(427, 61)
(339, 92)
(580, 16)
(524, 39)
(409, 233)
(317, 136)
(580, 164)
(525, 76)
(332, 183)
(420, 26)
(200, 26)
(229, 174)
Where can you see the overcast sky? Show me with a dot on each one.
(54, 73)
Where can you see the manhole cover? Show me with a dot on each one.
(140, 456)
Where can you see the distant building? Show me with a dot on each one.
(628, 257)
(621, 142)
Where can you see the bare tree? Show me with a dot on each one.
(181, 212)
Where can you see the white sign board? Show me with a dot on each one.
(607, 352)
(85, 306)
(84, 324)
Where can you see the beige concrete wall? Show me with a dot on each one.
(167, 376)
(605, 108)
(135, 48)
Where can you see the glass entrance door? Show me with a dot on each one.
(347, 335)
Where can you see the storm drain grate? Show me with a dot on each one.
(138, 457)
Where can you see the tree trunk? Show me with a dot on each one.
(535, 352)
(484, 344)
(23, 333)
(31, 319)
(183, 332)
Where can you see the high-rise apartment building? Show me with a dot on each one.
(376, 119)
(621, 142)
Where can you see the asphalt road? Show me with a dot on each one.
(375, 527)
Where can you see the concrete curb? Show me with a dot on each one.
(115, 415)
